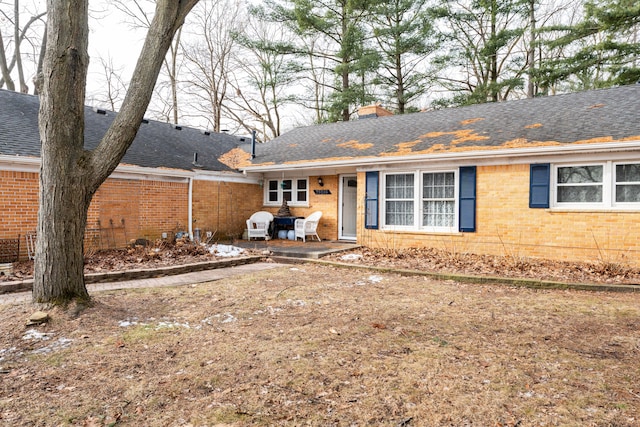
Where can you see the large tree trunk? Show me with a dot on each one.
(70, 175)
(62, 219)
(63, 200)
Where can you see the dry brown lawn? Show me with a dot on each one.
(324, 346)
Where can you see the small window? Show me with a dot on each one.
(287, 194)
(627, 183)
(438, 199)
(294, 191)
(605, 185)
(399, 203)
(302, 190)
(273, 191)
(580, 184)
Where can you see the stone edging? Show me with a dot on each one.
(118, 276)
(464, 278)
(26, 285)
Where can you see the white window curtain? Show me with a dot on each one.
(438, 199)
(399, 207)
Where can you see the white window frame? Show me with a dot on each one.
(417, 201)
(614, 183)
(294, 191)
(384, 200)
(609, 183)
(454, 226)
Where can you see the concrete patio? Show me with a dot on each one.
(297, 249)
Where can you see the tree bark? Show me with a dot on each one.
(70, 175)
(63, 177)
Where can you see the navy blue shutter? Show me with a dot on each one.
(539, 185)
(371, 201)
(467, 198)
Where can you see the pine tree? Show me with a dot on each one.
(404, 34)
(336, 25)
(482, 38)
(603, 48)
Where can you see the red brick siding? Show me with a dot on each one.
(224, 207)
(18, 205)
(123, 210)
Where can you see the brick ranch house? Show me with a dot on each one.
(172, 179)
(551, 177)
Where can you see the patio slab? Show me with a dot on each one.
(297, 249)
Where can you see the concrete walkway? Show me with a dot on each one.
(176, 280)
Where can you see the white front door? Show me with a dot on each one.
(348, 207)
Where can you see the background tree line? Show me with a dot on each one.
(273, 65)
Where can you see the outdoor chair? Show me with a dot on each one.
(258, 225)
(307, 226)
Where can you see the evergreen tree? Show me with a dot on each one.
(338, 25)
(404, 34)
(603, 48)
(482, 38)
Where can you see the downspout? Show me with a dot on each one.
(190, 208)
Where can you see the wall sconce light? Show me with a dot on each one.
(320, 182)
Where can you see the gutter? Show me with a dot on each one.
(490, 156)
(126, 171)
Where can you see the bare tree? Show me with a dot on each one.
(70, 175)
(209, 58)
(114, 87)
(139, 13)
(11, 54)
(262, 79)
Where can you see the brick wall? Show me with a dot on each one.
(18, 205)
(505, 225)
(124, 209)
(224, 207)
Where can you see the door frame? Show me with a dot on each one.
(341, 210)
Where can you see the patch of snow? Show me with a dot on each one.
(5, 352)
(127, 323)
(273, 310)
(351, 257)
(162, 325)
(59, 344)
(226, 318)
(33, 334)
(226, 250)
(297, 303)
(375, 279)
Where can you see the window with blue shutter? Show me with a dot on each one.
(539, 184)
(371, 200)
(467, 199)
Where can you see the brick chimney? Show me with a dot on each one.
(373, 111)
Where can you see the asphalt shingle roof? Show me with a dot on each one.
(591, 116)
(157, 144)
